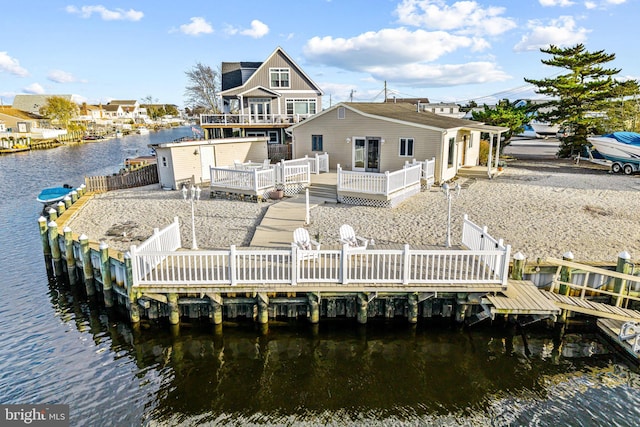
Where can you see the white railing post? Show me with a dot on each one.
(232, 266)
(317, 160)
(255, 180)
(387, 183)
(406, 265)
(505, 266)
(134, 265)
(344, 264)
(339, 173)
(295, 267)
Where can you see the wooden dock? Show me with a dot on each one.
(592, 308)
(522, 297)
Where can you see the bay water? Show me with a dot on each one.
(58, 346)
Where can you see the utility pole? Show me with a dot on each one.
(385, 91)
(351, 95)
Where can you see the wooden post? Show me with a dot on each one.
(134, 308)
(53, 214)
(60, 207)
(56, 256)
(105, 271)
(44, 237)
(74, 196)
(362, 301)
(565, 274)
(67, 202)
(314, 308)
(87, 267)
(518, 266)
(263, 308)
(412, 300)
(174, 309)
(69, 255)
(620, 285)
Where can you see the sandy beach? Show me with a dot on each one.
(540, 208)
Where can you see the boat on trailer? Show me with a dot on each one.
(622, 149)
(54, 194)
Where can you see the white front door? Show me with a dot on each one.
(260, 110)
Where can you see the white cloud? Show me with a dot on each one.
(561, 3)
(441, 75)
(11, 65)
(590, 5)
(258, 29)
(560, 32)
(60, 76)
(463, 17)
(34, 89)
(197, 26)
(106, 14)
(385, 47)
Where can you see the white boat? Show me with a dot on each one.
(621, 148)
(142, 130)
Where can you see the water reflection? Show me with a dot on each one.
(340, 372)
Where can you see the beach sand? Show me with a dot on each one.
(540, 208)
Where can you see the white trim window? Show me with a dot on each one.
(406, 147)
(305, 106)
(342, 113)
(279, 77)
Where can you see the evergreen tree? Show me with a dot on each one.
(504, 114)
(578, 98)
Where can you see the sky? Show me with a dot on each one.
(444, 50)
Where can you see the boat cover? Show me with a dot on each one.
(630, 138)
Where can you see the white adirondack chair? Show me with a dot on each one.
(307, 246)
(348, 237)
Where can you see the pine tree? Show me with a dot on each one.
(580, 97)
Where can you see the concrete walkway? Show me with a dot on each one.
(277, 225)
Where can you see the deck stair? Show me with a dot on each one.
(324, 191)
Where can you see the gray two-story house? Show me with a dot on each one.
(263, 98)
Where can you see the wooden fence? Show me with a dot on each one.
(279, 151)
(138, 178)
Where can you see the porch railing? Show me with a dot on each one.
(250, 119)
(428, 169)
(257, 180)
(379, 183)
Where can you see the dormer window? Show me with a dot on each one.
(279, 77)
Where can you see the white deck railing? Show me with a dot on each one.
(379, 183)
(477, 238)
(249, 119)
(428, 169)
(406, 266)
(237, 179)
(162, 241)
(258, 180)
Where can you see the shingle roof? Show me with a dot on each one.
(407, 113)
(14, 112)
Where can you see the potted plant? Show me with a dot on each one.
(277, 193)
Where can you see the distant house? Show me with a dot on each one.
(378, 137)
(263, 98)
(32, 103)
(24, 124)
(187, 161)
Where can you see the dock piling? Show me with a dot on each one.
(69, 255)
(174, 308)
(87, 267)
(105, 271)
(619, 285)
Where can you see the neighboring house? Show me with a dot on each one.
(25, 124)
(263, 98)
(379, 137)
(32, 103)
(448, 109)
(182, 162)
(125, 110)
